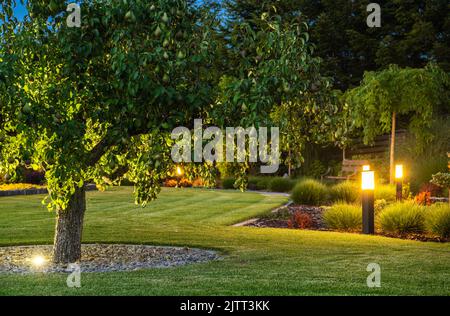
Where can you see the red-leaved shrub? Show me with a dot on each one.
(423, 198)
(300, 220)
(170, 183)
(432, 188)
(198, 182)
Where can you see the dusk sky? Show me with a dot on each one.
(20, 11)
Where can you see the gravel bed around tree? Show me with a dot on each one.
(101, 258)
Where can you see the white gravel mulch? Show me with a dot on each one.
(101, 258)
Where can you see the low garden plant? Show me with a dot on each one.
(348, 192)
(19, 186)
(172, 183)
(402, 218)
(279, 184)
(442, 180)
(343, 217)
(228, 183)
(437, 220)
(380, 205)
(300, 220)
(252, 181)
(309, 192)
(262, 183)
(385, 192)
(274, 184)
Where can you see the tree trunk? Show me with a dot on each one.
(69, 228)
(392, 151)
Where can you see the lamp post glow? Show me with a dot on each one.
(366, 168)
(179, 174)
(368, 209)
(399, 182)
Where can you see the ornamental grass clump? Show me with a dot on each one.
(348, 192)
(402, 218)
(343, 217)
(309, 192)
(279, 184)
(385, 192)
(437, 220)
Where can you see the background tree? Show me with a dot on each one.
(96, 103)
(275, 81)
(412, 33)
(414, 94)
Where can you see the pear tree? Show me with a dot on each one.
(96, 103)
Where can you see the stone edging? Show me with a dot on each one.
(89, 187)
(23, 192)
(252, 220)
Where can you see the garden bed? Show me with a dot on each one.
(284, 217)
(311, 218)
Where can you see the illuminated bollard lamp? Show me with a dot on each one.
(399, 182)
(368, 209)
(179, 173)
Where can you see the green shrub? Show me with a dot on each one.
(385, 192)
(342, 216)
(437, 220)
(402, 218)
(228, 183)
(421, 173)
(252, 182)
(281, 184)
(424, 163)
(227, 169)
(315, 169)
(347, 191)
(309, 192)
(263, 183)
(442, 180)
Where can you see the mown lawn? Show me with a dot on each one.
(256, 261)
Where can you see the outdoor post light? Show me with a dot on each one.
(368, 187)
(366, 167)
(179, 174)
(399, 181)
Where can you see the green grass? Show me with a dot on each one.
(256, 261)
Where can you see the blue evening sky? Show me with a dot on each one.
(20, 11)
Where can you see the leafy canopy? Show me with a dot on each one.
(412, 33)
(97, 102)
(276, 80)
(415, 93)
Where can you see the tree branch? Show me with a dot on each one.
(100, 149)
